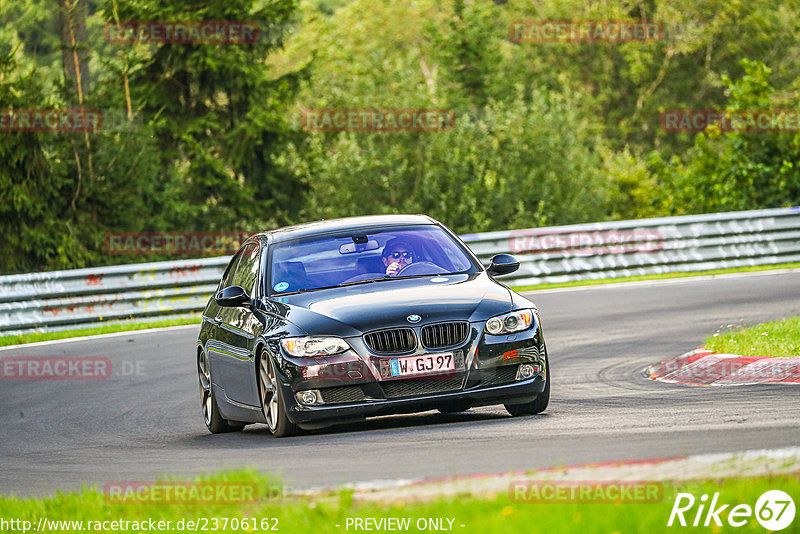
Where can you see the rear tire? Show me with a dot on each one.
(272, 404)
(214, 421)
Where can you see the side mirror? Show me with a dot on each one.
(232, 296)
(502, 264)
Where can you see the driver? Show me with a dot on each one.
(396, 255)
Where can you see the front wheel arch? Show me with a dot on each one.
(212, 416)
(540, 403)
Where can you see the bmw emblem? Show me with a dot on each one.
(414, 318)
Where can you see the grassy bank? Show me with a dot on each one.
(122, 326)
(778, 339)
(334, 512)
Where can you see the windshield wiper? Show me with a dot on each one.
(355, 282)
(303, 290)
(367, 281)
(428, 274)
(383, 278)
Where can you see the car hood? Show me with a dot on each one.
(352, 310)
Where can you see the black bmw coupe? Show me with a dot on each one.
(339, 320)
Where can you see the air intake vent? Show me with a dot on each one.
(498, 376)
(391, 341)
(412, 387)
(437, 336)
(341, 394)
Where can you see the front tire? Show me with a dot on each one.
(214, 421)
(455, 407)
(272, 404)
(539, 404)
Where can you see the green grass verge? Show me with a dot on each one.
(122, 326)
(752, 268)
(777, 339)
(321, 514)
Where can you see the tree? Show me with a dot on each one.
(739, 170)
(217, 113)
(188, 140)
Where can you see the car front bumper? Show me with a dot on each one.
(487, 373)
(512, 393)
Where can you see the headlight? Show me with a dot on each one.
(305, 347)
(510, 322)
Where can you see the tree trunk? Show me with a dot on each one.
(74, 50)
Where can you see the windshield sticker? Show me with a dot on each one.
(281, 286)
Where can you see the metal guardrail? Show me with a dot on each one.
(646, 246)
(82, 298)
(60, 300)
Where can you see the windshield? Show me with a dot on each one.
(363, 256)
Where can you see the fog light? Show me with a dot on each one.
(310, 397)
(527, 370)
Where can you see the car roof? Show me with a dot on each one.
(347, 223)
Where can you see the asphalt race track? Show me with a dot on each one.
(145, 420)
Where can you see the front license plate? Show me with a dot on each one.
(426, 364)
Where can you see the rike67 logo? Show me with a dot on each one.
(774, 510)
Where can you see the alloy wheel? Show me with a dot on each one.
(269, 390)
(205, 385)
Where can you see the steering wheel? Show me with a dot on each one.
(420, 267)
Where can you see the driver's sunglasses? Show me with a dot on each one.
(407, 255)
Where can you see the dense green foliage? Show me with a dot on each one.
(208, 137)
(187, 142)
